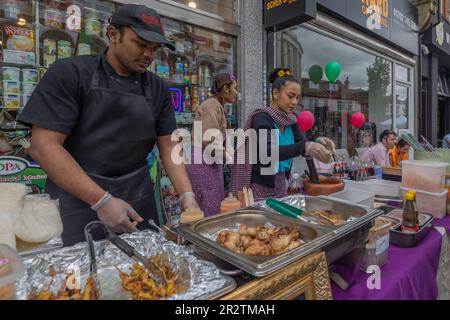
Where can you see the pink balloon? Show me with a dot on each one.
(358, 120)
(305, 121)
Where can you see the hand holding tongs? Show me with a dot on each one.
(154, 271)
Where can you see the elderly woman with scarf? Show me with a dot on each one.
(205, 172)
(278, 118)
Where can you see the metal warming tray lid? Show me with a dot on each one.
(316, 236)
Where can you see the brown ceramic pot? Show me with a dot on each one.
(326, 187)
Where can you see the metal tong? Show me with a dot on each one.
(155, 272)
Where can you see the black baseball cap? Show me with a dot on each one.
(144, 21)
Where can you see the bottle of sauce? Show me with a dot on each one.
(230, 204)
(295, 185)
(410, 222)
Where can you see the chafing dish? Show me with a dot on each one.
(336, 241)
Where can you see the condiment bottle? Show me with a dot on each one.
(295, 185)
(410, 222)
(230, 204)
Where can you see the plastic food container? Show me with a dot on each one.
(410, 240)
(28, 88)
(11, 101)
(375, 186)
(93, 27)
(377, 246)
(10, 73)
(430, 202)
(423, 175)
(49, 59)
(50, 46)
(53, 18)
(84, 49)
(64, 49)
(355, 196)
(30, 75)
(11, 10)
(11, 87)
(25, 99)
(11, 269)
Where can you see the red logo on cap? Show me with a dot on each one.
(152, 21)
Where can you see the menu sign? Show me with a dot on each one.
(282, 14)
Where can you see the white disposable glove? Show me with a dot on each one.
(119, 216)
(327, 143)
(319, 152)
(187, 201)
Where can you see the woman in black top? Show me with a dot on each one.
(283, 141)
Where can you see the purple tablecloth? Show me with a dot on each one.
(410, 273)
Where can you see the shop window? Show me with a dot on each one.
(365, 84)
(402, 107)
(402, 73)
(226, 9)
(200, 55)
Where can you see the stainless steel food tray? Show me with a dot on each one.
(202, 234)
(336, 241)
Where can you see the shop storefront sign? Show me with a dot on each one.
(18, 170)
(441, 37)
(393, 20)
(282, 14)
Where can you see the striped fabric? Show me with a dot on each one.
(241, 174)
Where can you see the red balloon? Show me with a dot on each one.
(305, 121)
(358, 120)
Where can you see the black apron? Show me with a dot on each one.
(114, 134)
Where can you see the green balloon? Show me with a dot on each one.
(333, 71)
(316, 74)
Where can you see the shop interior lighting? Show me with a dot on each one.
(192, 4)
(22, 22)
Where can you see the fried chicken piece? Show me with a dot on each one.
(44, 295)
(281, 243)
(263, 235)
(230, 240)
(90, 289)
(258, 248)
(249, 231)
(245, 241)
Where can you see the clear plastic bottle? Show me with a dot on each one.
(187, 106)
(295, 185)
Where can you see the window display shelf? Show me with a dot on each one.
(17, 65)
(15, 22)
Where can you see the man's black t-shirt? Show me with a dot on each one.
(59, 97)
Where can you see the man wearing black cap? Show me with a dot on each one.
(96, 118)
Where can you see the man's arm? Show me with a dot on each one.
(47, 149)
(177, 172)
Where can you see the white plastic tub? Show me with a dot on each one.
(11, 73)
(375, 186)
(355, 196)
(430, 202)
(423, 175)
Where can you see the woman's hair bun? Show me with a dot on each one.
(280, 73)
